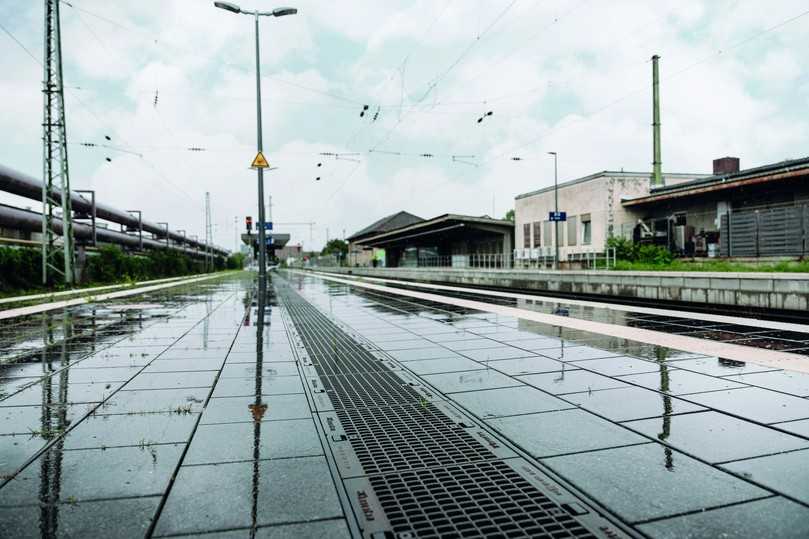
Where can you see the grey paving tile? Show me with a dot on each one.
(455, 336)
(283, 491)
(493, 354)
(16, 450)
(76, 393)
(408, 344)
(794, 383)
(643, 482)
(470, 380)
(95, 474)
(473, 343)
(172, 380)
(126, 519)
(575, 381)
(786, 473)
(535, 342)
(194, 353)
(230, 442)
(241, 370)
(155, 400)
(271, 355)
(454, 364)
(800, 427)
(239, 409)
(179, 365)
(565, 431)
(717, 366)
(755, 403)
(618, 366)
(717, 437)
(774, 518)
(681, 382)
(577, 353)
(97, 431)
(422, 353)
(528, 365)
(28, 419)
(626, 403)
(491, 403)
(101, 375)
(246, 387)
(326, 529)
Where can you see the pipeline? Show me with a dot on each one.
(31, 221)
(17, 183)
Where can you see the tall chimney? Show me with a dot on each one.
(657, 174)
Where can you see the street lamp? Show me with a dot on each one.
(556, 207)
(278, 12)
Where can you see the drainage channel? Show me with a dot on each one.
(412, 464)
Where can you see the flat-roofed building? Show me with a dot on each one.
(594, 209)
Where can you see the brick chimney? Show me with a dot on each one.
(725, 165)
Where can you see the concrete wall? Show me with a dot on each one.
(774, 291)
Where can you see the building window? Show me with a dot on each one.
(572, 230)
(586, 229)
(526, 235)
(546, 234)
(537, 236)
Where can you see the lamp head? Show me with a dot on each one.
(228, 6)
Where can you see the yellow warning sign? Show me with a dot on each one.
(260, 161)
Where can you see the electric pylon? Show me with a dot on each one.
(56, 188)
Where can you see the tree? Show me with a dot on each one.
(336, 247)
(509, 216)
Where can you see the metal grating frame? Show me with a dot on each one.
(413, 466)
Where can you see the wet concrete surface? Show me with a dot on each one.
(190, 412)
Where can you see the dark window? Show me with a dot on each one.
(537, 226)
(526, 235)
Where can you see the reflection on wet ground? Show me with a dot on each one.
(675, 443)
(748, 335)
(117, 420)
(188, 411)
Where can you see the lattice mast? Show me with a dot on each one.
(208, 234)
(56, 188)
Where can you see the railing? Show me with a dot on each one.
(538, 258)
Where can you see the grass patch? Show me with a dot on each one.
(791, 266)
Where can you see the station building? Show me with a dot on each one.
(758, 212)
(449, 240)
(595, 212)
(362, 254)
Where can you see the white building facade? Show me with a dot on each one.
(594, 213)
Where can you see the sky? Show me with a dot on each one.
(172, 84)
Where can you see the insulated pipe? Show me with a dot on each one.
(31, 221)
(17, 183)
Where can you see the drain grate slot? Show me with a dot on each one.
(485, 499)
(408, 437)
(365, 390)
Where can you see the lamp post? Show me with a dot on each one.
(278, 12)
(556, 207)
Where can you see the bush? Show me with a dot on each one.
(21, 268)
(630, 251)
(235, 261)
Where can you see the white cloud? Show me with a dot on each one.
(569, 77)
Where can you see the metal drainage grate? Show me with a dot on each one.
(408, 437)
(485, 499)
(422, 467)
(361, 390)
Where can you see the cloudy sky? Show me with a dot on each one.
(161, 76)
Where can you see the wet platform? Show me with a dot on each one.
(320, 409)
